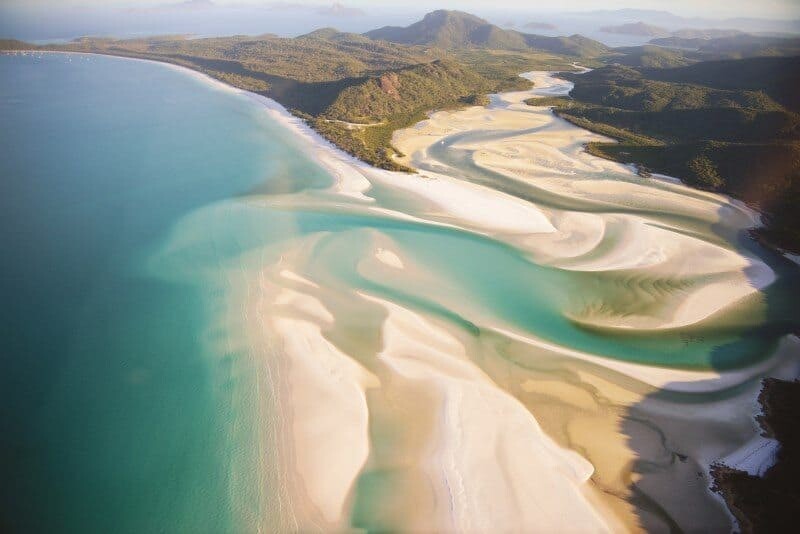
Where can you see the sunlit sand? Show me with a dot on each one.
(407, 404)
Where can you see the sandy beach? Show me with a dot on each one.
(408, 403)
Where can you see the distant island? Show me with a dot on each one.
(657, 32)
(637, 28)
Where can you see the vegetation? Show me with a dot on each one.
(504, 67)
(734, 45)
(396, 100)
(727, 125)
(724, 135)
(686, 47)
(767, 503)
(649, 56)
(354, 90)
(777, 77)
(457, 30)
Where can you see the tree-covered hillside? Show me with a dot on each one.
(363, 117)
(457, 30)
(729, 126)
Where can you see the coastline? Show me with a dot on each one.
(703, 380)
(447, 194)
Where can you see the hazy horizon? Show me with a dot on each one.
(43, 20)
(687, 8)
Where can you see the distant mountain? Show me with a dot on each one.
(671, 21)
(738, 45)
(458, 30)
(574, 45)
(334, 35)
(651, 56)
(445, 29)
(708, 33)
(14, 44)
(637, 28)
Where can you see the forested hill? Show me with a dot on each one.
(730, 126)
(456, 29)
(778, 77)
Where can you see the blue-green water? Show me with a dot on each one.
(111, 420)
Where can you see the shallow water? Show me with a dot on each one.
(116, 408)
(166, 241)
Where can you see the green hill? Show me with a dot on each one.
(450, 29)
(778, 77)
(395, 100)
(13, 44)
(573, 45)
(457, 30)
(630, 89)
(649, 56)
(735, 45)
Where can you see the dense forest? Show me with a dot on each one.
(766, 504)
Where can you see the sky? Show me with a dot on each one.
(715, 8)
(62, 20)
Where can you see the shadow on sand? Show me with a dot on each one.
(674, 447)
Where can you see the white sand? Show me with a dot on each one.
(552, 159)
(389, 258)
(492, 466)
(755, 457)
(493, 460)
(329, 415)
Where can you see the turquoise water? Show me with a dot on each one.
(134, 202)
(111, 417)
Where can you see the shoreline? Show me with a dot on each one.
(353, 177)
(301, 127)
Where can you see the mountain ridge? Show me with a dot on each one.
(457, 29)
